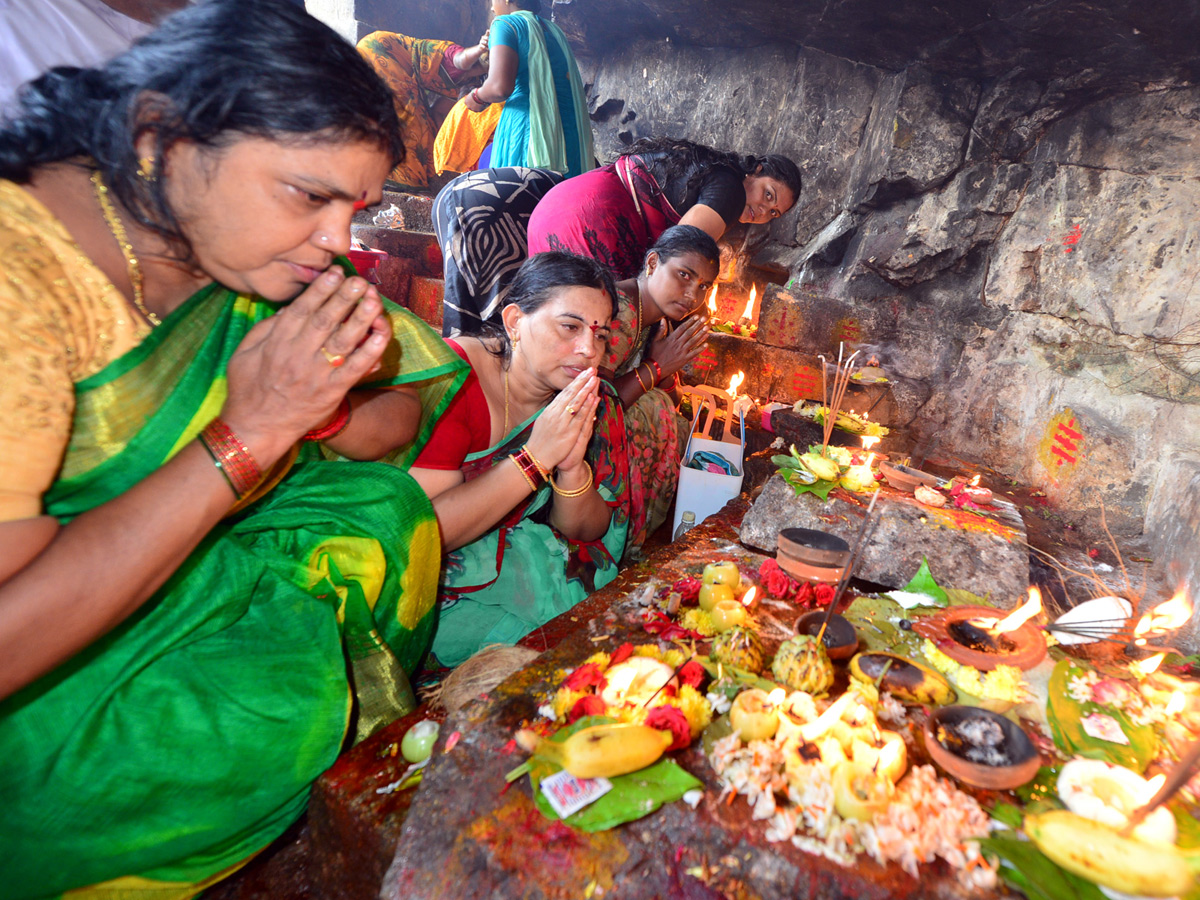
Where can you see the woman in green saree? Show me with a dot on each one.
(527, 470)
(183, 575)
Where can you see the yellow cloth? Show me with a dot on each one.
(61, 321)
(413, 70)
(463, 136)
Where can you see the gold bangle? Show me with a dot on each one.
(537, 463)
(575, 492)
(524, 474)
(637, 373)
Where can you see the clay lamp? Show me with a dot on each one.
(906, 478)
(754, 714)
(977, 494)
(727, 614)
(810, 555)
(980, 747)
(974, 636)
(840, 638)
(718, 582)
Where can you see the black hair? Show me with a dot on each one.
(208, 74)
(680, 239)
(684, 156)
(539, 280)
(534, 6)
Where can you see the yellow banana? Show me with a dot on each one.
(602, 751)
(1097, 852)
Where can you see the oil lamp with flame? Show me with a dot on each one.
(1155, 625)
(712, 302)
(747, 318)
(974, 636)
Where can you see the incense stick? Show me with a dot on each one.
(855, 552)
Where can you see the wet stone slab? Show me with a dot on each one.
(983, 554)
(469, 833)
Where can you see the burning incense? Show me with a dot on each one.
(833, 402)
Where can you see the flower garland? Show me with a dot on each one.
(679, 707)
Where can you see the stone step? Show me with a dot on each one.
(408, 212)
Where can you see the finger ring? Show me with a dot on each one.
(334, 359)
(571, 410)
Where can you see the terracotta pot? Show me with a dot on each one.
(906, 478)
(1016, 743)
(840, 638)
(1028, 638)
(816, 548)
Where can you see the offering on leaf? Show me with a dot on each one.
(602, 751)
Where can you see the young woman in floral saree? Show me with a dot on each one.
(183, 576)
(654, 336)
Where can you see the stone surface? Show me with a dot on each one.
(466, 826)
(425, 299)
(985, 555)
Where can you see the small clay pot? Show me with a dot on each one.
(817, 548)
(840, 638)
(1023, 758)
(906, 478)
(803, 571)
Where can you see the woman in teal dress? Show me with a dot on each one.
(527, 469)
(533, 72)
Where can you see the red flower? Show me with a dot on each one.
(692, 673)
(585, 677)
(621, 654)
(1094, 553)
(657, 623)
(670, 718)
(591, 705)
(824, 594)
(688, 590)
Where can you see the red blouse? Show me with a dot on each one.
(465, 427)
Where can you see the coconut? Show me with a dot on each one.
(478, 675)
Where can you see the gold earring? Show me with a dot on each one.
(146, 168)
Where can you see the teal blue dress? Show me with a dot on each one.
(511, 140)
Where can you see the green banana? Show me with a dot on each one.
(602, 751)
(820, 466)
(1102, 855)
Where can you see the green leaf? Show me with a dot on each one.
(1008, 814)
(820, 487)
(1030, 871)
(1044, 786)
(1066, 724)
(923, 583)
(632, 796)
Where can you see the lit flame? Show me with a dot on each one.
(1176, 703)
(749, 311)
(975, 481)
(735, 381)
(748, 597)
(889, 755)
(1166, 616)
(1021, 614)
(712, 301)
(870, 459)
(1153, 785)
(1144, 667)
(869, 441)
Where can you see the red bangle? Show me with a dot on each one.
(658, 375)
(232, 457)
(670, 384)
(335, 426)
(475, 97)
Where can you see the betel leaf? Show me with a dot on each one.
(1008, 815)
(923, 583)
(820, 487)
(632, 796)
(1066, 715)
(1026, 868)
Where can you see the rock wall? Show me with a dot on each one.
(1021, 257)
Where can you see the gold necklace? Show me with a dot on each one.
(639, 316)
(131, 262)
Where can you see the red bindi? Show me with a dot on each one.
(361, 202)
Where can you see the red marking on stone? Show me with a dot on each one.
(1066, 428)
(707, 359)
(804, 382)
(1072, 238)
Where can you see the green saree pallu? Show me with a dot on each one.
(523, 573)
(185, 740)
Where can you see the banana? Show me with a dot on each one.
(1096, 851)
(602, 751)
(820, 466)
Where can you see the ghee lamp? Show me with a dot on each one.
(754, 715)
(721, 573)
